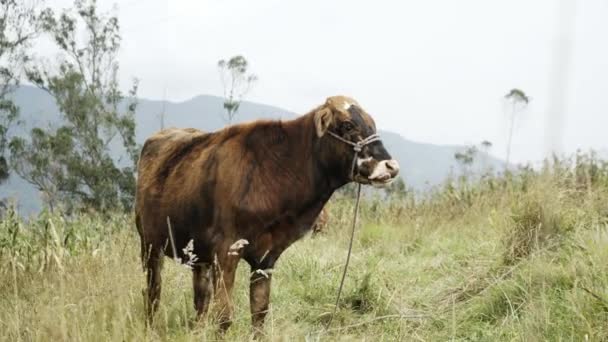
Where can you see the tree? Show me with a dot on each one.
(71, 164)
(486, 145)
(466, 159)
(18, 27)
(518, 101)
(236, 83)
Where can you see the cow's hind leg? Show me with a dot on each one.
(202, 281)
(153, 261)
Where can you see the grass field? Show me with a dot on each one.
(517, 258)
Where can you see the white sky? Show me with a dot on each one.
(434, 71)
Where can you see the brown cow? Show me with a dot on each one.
(248, 191)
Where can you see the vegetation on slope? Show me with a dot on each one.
(520, 257)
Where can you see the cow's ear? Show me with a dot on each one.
(323, 119)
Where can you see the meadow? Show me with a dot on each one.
(517, 257)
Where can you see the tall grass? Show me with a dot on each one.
(523, 256)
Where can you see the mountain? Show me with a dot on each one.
(423, 165)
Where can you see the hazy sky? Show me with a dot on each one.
(433, 71)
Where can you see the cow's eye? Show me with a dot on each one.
(347, 126)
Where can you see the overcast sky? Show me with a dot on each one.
(433, 71)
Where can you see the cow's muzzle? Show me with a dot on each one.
(384, 173)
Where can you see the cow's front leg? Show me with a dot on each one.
(202, 281)
(262, 259)
(226, 262)
(259, 298)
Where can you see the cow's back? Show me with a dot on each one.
(159, 154)
(163, 145)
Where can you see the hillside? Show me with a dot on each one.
(423, 165)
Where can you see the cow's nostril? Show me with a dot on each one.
(392, 165)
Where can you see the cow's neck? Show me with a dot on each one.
(306, 184)
(323, 180)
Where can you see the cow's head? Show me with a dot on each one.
(343, 125)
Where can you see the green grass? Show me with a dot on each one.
(521, 258)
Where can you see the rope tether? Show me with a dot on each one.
(357, 147)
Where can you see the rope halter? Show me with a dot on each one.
(357, 147)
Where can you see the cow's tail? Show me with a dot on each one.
(140, 230)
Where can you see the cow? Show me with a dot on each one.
(247, 191)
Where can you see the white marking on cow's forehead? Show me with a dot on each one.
(347, 105)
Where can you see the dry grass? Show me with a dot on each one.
(523, 257)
